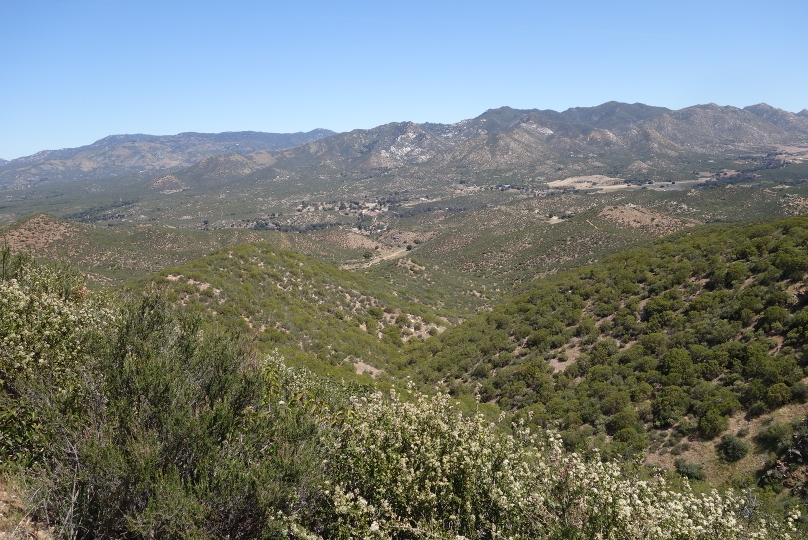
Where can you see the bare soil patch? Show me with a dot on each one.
(794, 205)
(347, 239)
(638, 217)
(590, 181)
(704, 452)
(380, 256)
(15, 522)
(362, 367)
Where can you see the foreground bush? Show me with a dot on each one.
(731, 448)
(182, 434)
(418, 469)
(47, 322)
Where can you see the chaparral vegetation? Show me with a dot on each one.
(127, 417)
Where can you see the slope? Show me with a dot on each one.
(690, 337)
(112, 256)
(313, 313)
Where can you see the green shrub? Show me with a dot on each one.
(778, 395)
(415, 468)
(776, 437)
(47, 319)
(731, 448)
(712, 423)
(182, 433)
(691, 471)
(670, 404)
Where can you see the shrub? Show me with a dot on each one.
(732, 449)
(47, 318)
(776, 437)
(416, 468)
(670, 404)
(181, 433)
(712, 423)
(691, 471)
(778, 395)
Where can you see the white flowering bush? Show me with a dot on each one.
(47, 319)
(418, 469)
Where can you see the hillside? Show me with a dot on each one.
(170, 425)
(466, 249)
(113, 256)
(534, 143)
(694, 337)
(258, 174)
(124, 155)
(313, 313)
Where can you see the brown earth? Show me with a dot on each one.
(704, 452)
(45, 237)
(15, 522)
(637, 217)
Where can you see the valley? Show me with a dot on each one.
(628, 279)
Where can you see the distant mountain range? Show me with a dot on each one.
(119, 155)
(536, 143)
(523, 144)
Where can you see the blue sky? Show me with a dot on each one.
(74, 72)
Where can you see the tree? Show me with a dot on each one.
(669, 406)
(712, 423)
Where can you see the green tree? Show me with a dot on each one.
(670, 404)
(712, 423)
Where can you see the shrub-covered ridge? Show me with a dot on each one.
(170, 429)
(687, 333)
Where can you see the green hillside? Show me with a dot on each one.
(312, 312)
(125, 416)
(117, 255)
(698, 337)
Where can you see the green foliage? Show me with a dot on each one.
(175, 429)
(691, 471)
(311, 312)
(184, 435)
(415, 468)
(731, 448)
(48, 318)
(712, 424)
(669, 405)
(689, 326)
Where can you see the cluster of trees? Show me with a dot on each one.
(151, 422)
(687, 332)
(101, 213)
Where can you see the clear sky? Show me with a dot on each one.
(74, 72)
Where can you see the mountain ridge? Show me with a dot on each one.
(537, 143)
(635, 142)
(127, 154)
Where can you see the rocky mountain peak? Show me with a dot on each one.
(779, 117)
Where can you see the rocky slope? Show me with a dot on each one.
(525, 145)
(529, 142)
